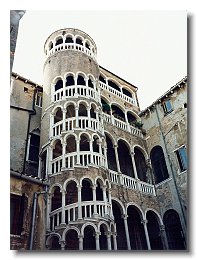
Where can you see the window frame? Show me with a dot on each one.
(29, 147)
(179, 159)
(165, 108)
(39, 103)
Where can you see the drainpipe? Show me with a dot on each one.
(35, 202)
(173, 174)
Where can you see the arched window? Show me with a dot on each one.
(87, 45)
(103, 237)
(82, 110)
(57, 150)
(70, 81)
(54, 243)
(90, 83)
(159, 164)
(117, 112)
(154, 231)
(50, 46)
(56, 202)
(126, 92)
(81, 80)
(131, 118)
(95, 144)
(125, 161)
(59, 41)
(89, 242)
(102, 79)
(70, 111)
(70, 144)
(86, 191)
(79, 41)
(58, 85)
(105, 106)
(173, 230)
(99, 191)
(140, 164)
(69, 39)
(71, 193)
(111, 158)
(92, 112)
(136, 229)
(72, 240)
(120, 228)
(113, 85)
(58, 116)
(84, 143)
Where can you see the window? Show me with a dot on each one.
(17, 207)
(182, 158)
(167, 106)
(34, 147)
(39, 99)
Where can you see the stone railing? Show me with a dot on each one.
(131, 183)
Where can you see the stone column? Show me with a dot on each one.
(63, 207)
(62, 243)
(91, 152)
(80, 242)
(94, 200)
(110, 202)
(163, 237)
(105, 154)
(63, 156)
(64, 120)
(115, 241)
(75, 80)
(50, 158)
(108, 234)
(97, 234)
(144, 222)
(126, 231)
(51, 120)
(79, 203)
(117, 159)
(105, 199)
(78, 150)
(134, 166)
(77, 116)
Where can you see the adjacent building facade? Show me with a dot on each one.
(89, 170)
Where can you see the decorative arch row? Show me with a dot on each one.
(117, 111)
(138, 230)
(114, 87)
(135, 162)
(71, 42)
(90, 236)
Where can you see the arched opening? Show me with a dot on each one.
(136, 229)
(87, 45)
(131, 118)
(126, 92)
(56, 201)
(174, 232)
(57, 150)
(59, 41)
(81, 80)
(70, 111)
(95, 144)
(71, 193)
(86, 191)
(103, 237)
(92, 112)
(126, 166)
(140, 164)
(113, 85)
(105, 106)
(84, 143)
(79, 41)
(120, 229)
(70, 81)
(154, 231)
(58, 85)
(117, 113)
(159, 164)
(99, 191)
(70, 144)
(102, 79)
(50, 46)
(89, 242)
(111, 158)
(54, 243)
(82, 110)
(69, 39)
(58, 116)
(90, 83)
(72, 240)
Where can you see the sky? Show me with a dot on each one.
(146, 48)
